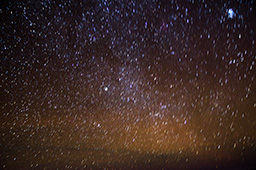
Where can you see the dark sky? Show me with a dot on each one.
(172, 82)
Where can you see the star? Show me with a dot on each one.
(231, 13)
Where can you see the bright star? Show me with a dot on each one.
(231, 13)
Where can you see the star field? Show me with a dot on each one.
(127, 84)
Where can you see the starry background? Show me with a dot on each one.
(128, 84)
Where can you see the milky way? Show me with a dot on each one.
(128, 84)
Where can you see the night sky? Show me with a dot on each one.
(128, 84)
